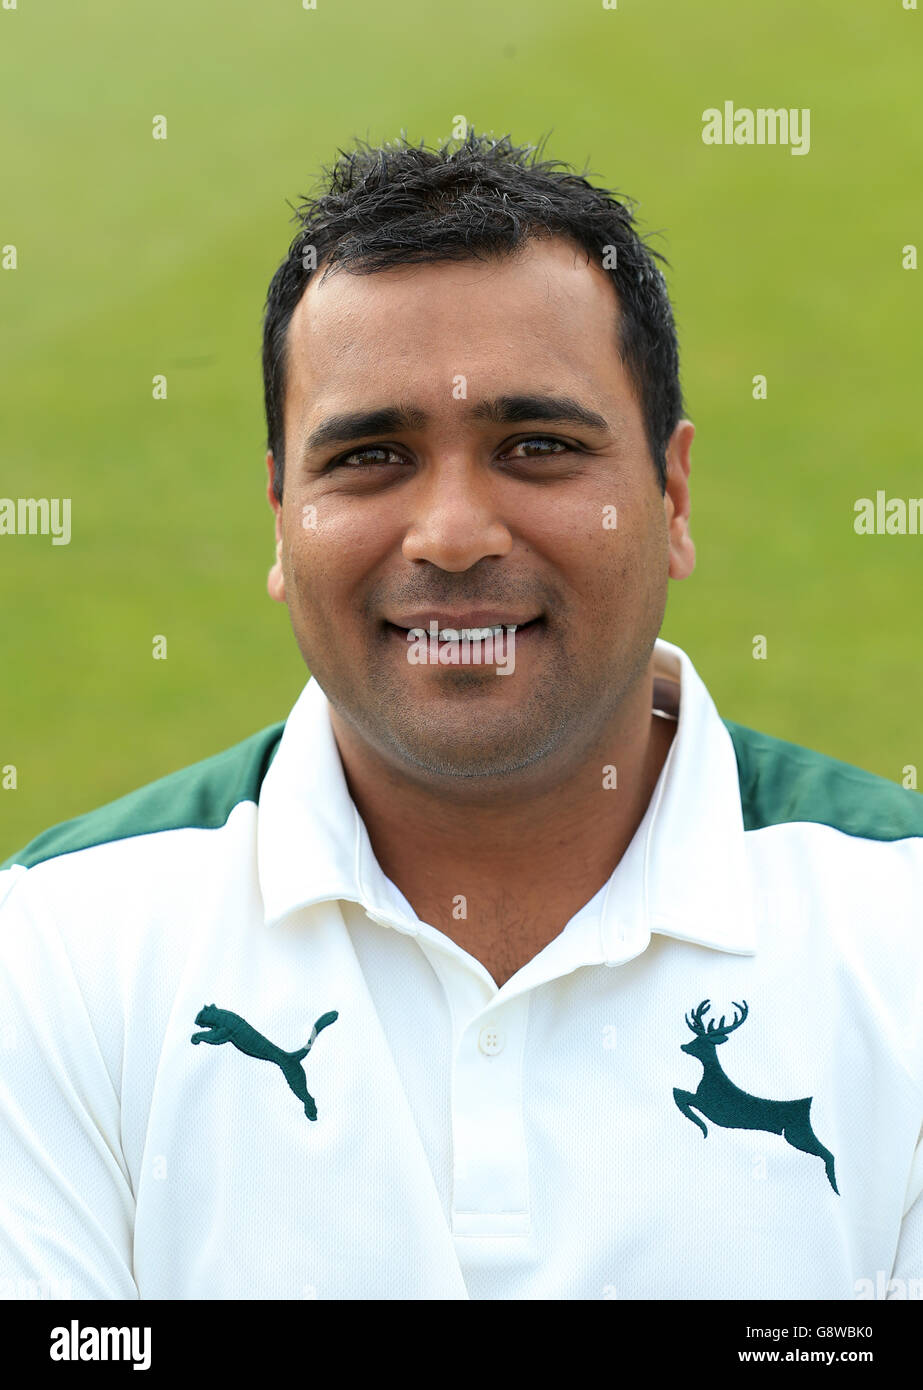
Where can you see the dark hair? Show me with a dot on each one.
(402, 203)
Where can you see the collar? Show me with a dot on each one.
(684, 875)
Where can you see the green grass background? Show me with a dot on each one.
(139, 256)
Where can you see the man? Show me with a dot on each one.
(464, 940)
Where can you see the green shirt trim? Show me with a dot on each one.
(782, 782)
(198, 797)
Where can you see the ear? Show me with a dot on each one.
(275, 582)
(676, 500)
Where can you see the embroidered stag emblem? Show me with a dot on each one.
(725, 1104)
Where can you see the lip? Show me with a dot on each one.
(523, 638)
(474, 617)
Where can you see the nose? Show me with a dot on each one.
(455, 521)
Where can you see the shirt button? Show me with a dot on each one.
(490, 1041)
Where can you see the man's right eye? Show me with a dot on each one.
(372, 457)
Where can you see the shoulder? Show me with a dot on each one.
(200, 796)
(782, 783)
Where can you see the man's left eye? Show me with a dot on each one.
(542, 444)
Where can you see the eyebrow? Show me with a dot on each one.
(504, 410)
(513, 410)
(342, 429)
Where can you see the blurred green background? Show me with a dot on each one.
(139, 257)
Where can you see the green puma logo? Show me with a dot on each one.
(727, 1105)
(223, 1026)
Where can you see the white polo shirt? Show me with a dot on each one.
(547, 1140)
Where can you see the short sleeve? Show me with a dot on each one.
(907, 1274)
(66, 1200)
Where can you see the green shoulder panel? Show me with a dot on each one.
(200, 796)
(781, 782)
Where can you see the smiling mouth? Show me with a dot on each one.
(470, 634)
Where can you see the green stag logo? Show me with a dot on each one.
(222, 1026)
(727, 1105)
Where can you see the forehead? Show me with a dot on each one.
(544, 316)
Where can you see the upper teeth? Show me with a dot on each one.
(473, 634)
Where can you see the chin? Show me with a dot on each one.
(477, 751)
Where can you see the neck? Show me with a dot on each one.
(710, 1061)
(538, 847)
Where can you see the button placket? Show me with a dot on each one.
(491, 1187)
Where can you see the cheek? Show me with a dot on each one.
(625, 564)
(328, 559)
(596, 545)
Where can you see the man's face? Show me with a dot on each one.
(474, 508)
